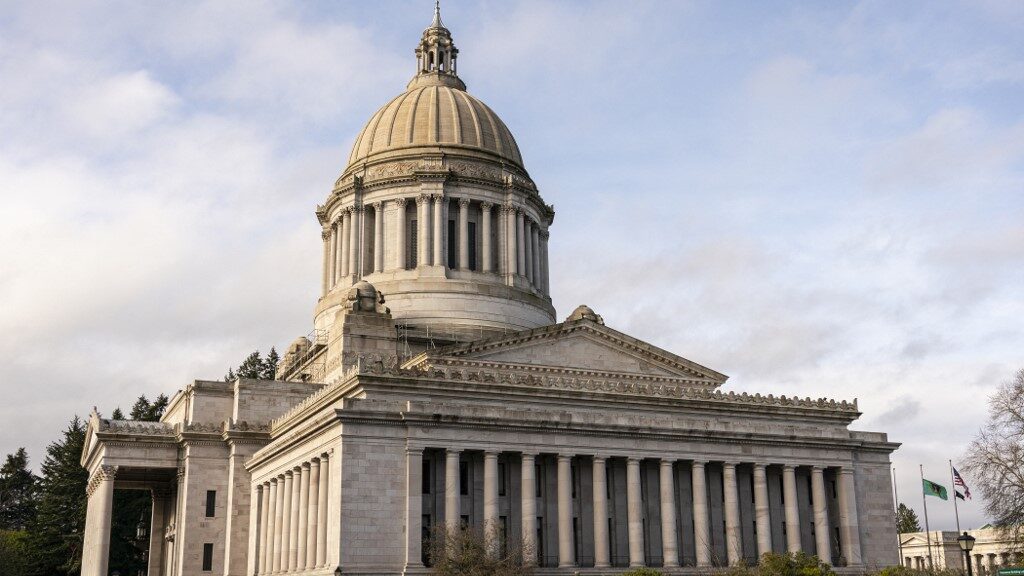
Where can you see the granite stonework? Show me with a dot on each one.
(437, 389)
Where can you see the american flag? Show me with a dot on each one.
(959, 481)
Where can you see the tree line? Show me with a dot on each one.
(42, 516)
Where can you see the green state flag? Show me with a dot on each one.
(933, 489)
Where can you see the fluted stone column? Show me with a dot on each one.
(323, 497)
(545, 269)
(463, 234)
(733, 541)
(820, 515)
(291, 505)
(486, 260)
(354, 244)
(423, 230)
(600, 484)
(261, 565)
(99, 508)
(701, 530)
(669, 539)
(491, 500)
(439, 226)
(762, 517)
(792, 509)
(511, 259)
(328, 264)
(566, 554)
(528, 506)
(413, 507)
(520, 237)
(535, 239)
(345, 235)
(401, 260)
(278, 524)
(634, 513)
(528, 260)
(312, 516)
(849, 526)
(452, 514)
(378, 236)
(303, 527)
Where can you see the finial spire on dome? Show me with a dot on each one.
(436, 55)
(437, 15)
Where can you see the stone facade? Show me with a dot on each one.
(436, 389)
(993, 550)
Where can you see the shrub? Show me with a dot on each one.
(644, 571)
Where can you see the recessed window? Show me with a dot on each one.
(472, 245)
(207, 557)
(414, 243)
(211, 503)
(425, 486)
(502, 483)
(464, 478)
(453, 245)
(538, 479)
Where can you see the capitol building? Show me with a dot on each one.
(438, 387)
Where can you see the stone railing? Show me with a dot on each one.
(136, 427)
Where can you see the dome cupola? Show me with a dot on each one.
(435, 209)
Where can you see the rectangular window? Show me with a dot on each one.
(576, 539)
(572, 470)
(782, 495)
(810, 491)
(752, 489)
(538, 476)
(464, 521)
(472, 245)
(464, 478)
(426, 477)
(502, 484)
(211, 503)
(783, 528)
(414, 242)
(453, 246)
(834, 494)
(608, 481)
(425, 531)
(207, 557)
(540, 541)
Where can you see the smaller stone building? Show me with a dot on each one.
(993, 550)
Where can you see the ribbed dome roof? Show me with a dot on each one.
(431, 114)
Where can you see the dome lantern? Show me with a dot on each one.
(437, 56)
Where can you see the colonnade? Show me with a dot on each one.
(668, 508)
(511, 242)
(292, 519)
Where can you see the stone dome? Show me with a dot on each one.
(433, 114)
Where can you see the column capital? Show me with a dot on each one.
(599, 458)
(272, 480)
(377, 205)
(305, 465)
(508, 208)
(527, 454)
(544, 235)
(846, 470)
(788, 467)
(488, 454)
(633, 459)
(817, 468)
(413, 450)
(667, 462)
(728, 465)
(463, 202)
(400, 202)
(486, 206)
(437, 198)
(422, 198)
(451, 451)
(698, 464)
(288, 473)
(562, 457)
(325, 232)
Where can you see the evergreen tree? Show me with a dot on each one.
(251, 367)
(906, 520)
(270, 365)
(17, 492)
(55, 535)
(117, 415)
(15, 559)
(230, 376)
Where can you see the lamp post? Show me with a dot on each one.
(966, 542)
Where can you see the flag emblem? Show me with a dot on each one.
(959, 481)
(934, 489)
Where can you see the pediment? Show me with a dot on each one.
(582, 345)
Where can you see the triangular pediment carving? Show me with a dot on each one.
(581, 345)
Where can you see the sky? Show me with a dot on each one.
(815, 198)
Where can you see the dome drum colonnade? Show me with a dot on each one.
(674, 516)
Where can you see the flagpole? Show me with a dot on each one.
(956, 512)
(927, 529)
(896, 496)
